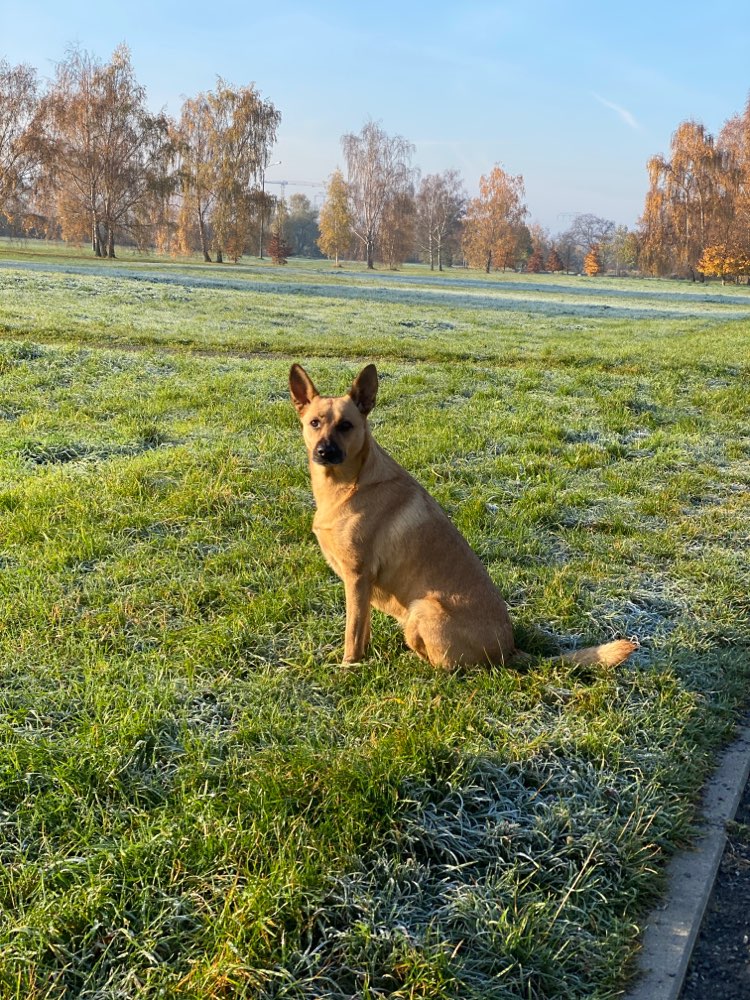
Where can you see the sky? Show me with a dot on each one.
(574, 97)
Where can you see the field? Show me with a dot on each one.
(197, 799)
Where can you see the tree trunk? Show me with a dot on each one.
(370, 253)
(110, 243)
(96, 240)
(204, 238)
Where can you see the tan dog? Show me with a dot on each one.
(395, 548)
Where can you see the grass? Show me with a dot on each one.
(196, 798)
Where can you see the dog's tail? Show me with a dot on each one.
(607, 655)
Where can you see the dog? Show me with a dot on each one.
(394, 547)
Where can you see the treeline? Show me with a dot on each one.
(696, 219)
(85, 160)
(384, 210)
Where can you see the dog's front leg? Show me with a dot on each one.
(358, 590)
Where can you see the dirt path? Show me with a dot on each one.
(720, 965)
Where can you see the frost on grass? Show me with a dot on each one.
(504, 875)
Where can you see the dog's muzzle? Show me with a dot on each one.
(327, 453)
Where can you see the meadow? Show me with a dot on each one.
(197, 799)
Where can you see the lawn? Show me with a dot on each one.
(197, 799)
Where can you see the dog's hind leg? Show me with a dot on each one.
(430, 633)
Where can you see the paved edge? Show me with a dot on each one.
(672, 928)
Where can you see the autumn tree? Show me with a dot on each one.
(724, 261)
(335, 220)
(734, 142)
(592, 264)
(101, 149)
(378, 171)
(554, 261)
(689, 203)
(194, 142)
(493, 219)
(439, 205)
(223, 138)
(18, 102)
(278, 247)
(535, 263)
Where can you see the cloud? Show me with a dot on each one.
(624, 114)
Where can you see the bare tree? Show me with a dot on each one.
(18, 100)
(379, 170)
(440, 204)
(585, 231)
(589, 230)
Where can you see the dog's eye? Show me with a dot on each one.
(315, 423)
(344, 426)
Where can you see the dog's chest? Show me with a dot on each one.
(369, 532)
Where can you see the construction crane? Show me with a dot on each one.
(283, 185)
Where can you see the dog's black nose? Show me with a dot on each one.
(328, 453)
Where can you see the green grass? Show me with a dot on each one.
(196, 798)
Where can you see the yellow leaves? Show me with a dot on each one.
(335, 219)
(724, 261)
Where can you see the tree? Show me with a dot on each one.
(224, 139)
(378, 170)
(18, 102)
(689, 203)
(493, 220)
(592, 264)
(335, 221)
(554, 262)
(734, 141)
(396, 236)
(622, 249)
(302, 227)
(102, 151)
(278, 248)
(197, 174)
(439, 206)
(589, 230)
(535, 263)
(725, 262)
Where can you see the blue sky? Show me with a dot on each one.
(575, 97)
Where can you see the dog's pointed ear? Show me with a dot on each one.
(364, 389)
(301, 387)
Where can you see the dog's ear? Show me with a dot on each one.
(302, 389)
(364, 389)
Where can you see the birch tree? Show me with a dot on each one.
(18, 101)
(440, 203)
(101, 149)
(224, 138)
(689, 203)
(378, 171)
